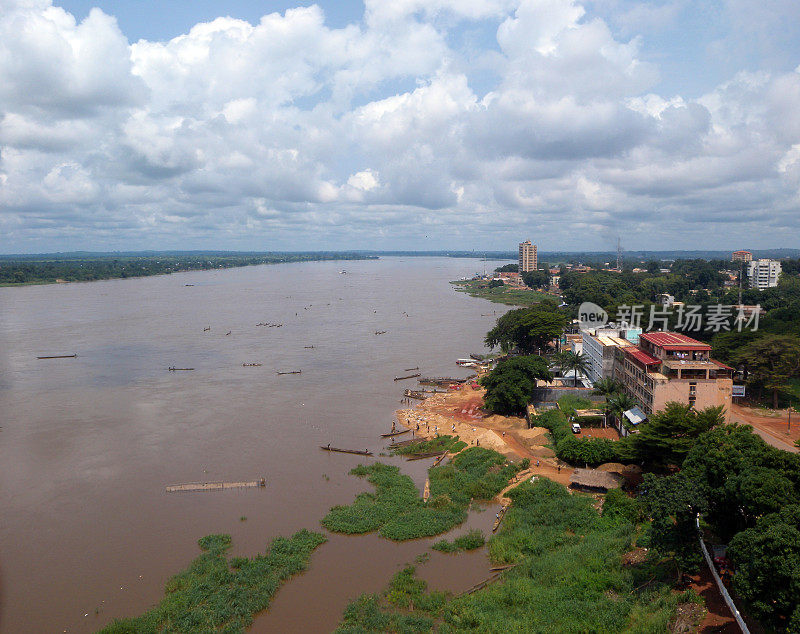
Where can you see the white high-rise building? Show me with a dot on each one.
(763, 274)
(528, 260)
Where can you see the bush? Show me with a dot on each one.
(213, 594)
(472, 540)
(441, 444)
(578, 451)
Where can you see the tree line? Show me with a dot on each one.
(29, 270)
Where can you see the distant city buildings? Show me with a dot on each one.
(742, 256)
(528, 260)
(763, 273)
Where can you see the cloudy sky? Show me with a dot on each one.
(410, 124)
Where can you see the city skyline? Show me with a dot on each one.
(408, 125)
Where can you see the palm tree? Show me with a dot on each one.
(572, 362)
(607, 387)
(620, 403)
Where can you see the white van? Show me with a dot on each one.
(576, 428)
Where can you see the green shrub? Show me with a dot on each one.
(472, 540)
(399, 513)
(441, 444)
(578, 451)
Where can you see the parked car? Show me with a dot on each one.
(576, 428)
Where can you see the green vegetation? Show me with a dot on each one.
(772, 362)
(749, 495)
(771, 548)
(569, 361)
(527, 330)
(507, 268)
(398, 512)
(578, 451)
(216, 594)
(501, 294)
(472, 540)
(511, 385)
(668, 435)
(435, 445)
(569, 577)
(536, 279)
(46, 269)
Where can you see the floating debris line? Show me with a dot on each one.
(215, 486)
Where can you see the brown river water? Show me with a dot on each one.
(88, 532)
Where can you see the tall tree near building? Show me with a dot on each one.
(771, 362)
(767, 560)
(510, 386)
(668, 435)
(527, 330)
(620, 403)
(673, 503)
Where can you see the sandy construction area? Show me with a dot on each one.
(460, 412)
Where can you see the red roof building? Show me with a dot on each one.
(669, 366)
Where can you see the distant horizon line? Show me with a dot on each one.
(494, 253)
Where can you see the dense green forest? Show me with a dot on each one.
(86, 267)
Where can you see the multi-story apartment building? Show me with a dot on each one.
(668, 366)
(763, 274)
(528, 260)
(742, 256)
(598, 346)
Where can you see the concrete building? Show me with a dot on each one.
(763, 274)
(742, 256)
(668, 366)
(528, 260)
(599, 345)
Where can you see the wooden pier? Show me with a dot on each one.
(215, 486)
(59, 356)
(443, 380)
(409, 376)
(358, 452)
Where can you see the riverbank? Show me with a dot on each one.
(460, 413)
(503, 294)
(65, 268)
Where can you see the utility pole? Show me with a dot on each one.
(741, 273)
(619, 255)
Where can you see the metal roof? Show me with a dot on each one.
(641, 356)
(674, 341)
